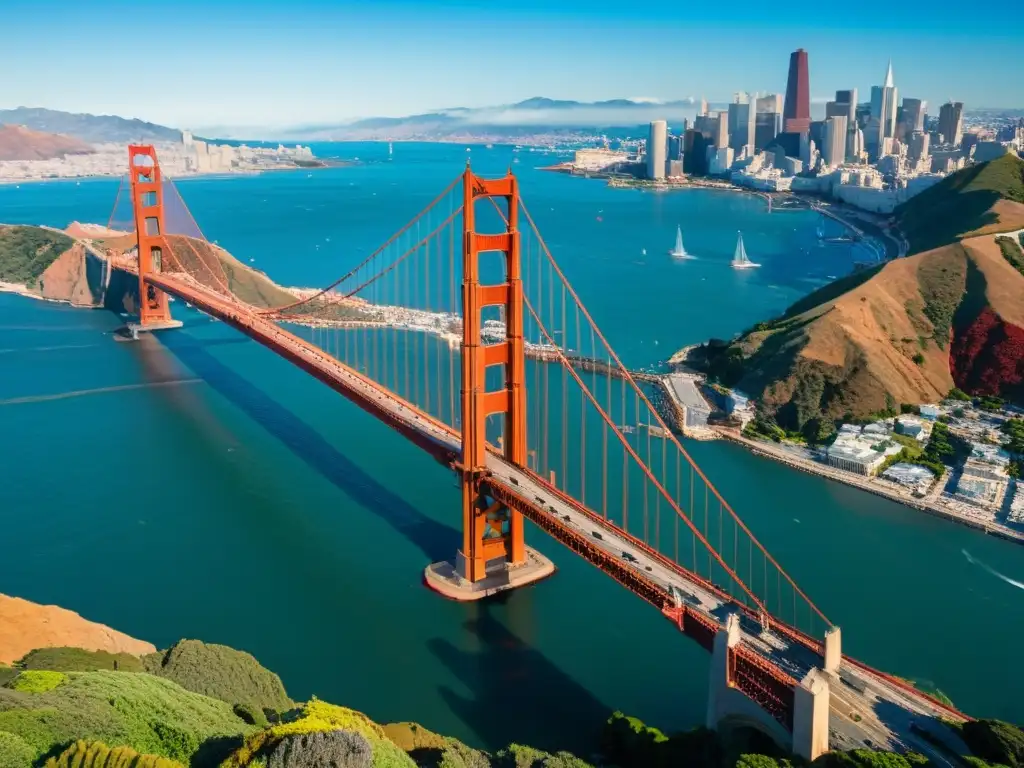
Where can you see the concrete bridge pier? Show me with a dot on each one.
(730, 708)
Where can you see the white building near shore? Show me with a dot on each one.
(861, 450)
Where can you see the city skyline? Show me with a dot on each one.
(254, 64)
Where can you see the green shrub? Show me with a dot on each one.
(96, 754)
(117, 708)
(328, 749)
(26, 252)
(455, 754)
(79, 660)
(518, 756)
(14, 751)
(37, 681)
(221, 673)
(316, 717)
(995, 741)
(7, 674)
(250, 714)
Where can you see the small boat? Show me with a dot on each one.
(740, 260)
(679, 252)
(643, 251)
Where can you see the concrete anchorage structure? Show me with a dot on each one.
(494, 556)
(807, 733)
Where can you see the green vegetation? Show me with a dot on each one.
(37, 681)
(942, 282)
(221, 673)
(1012, 252)
(318, 717)
(990, 403)
(997, 742)
(943, 448)
(146, 713)
(118, 719)
(961, 204)
(26, 252)
(15, 752)
(96, 754)
(7, 674)
(79, 660)
(958, 394)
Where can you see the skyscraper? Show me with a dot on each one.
(913, 114)
(797, 114)
(742, 123)
(884, 99)
(833, 150)
(849, 97)
(657, 144)
(703, 106)
(951, 122)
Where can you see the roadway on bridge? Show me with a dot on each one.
(854, 703)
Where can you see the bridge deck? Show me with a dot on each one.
(620, 555)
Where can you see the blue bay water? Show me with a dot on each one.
(239, 501)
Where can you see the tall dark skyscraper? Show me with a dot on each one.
(797, 113)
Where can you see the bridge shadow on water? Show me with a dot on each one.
(434, 539)
(520, 695)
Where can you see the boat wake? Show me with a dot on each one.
(993, 571)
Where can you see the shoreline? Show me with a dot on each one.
(184, 177)
(925, 504)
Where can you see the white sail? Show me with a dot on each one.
(740, 260)
(679, 251)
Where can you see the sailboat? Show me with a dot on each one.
(739, 258)
(391, 149)
(821, 228)
(679, 252)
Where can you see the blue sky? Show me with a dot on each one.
(190, 63)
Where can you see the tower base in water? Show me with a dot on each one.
(445, 579)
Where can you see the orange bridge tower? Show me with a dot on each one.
(148, 206)
(494, 555)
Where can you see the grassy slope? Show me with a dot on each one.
(965, 204)
(26, 252)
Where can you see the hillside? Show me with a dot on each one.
(95, 129)
(20, 143)
(216, 706)
(906, 332)
(211, 265)
(25, 626)
(52, 265)
(978, 200)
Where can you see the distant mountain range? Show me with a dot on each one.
(20, 143)
(95, 129)
(533, 117)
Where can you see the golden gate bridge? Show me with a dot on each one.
(525, 400)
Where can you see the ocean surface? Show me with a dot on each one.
(194, 485)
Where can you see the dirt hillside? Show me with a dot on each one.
(25, 626)
(19, 143)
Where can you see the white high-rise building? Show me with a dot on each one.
(834, 150)
(884, 101)
(657, 149)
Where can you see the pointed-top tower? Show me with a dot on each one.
(888, 76)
